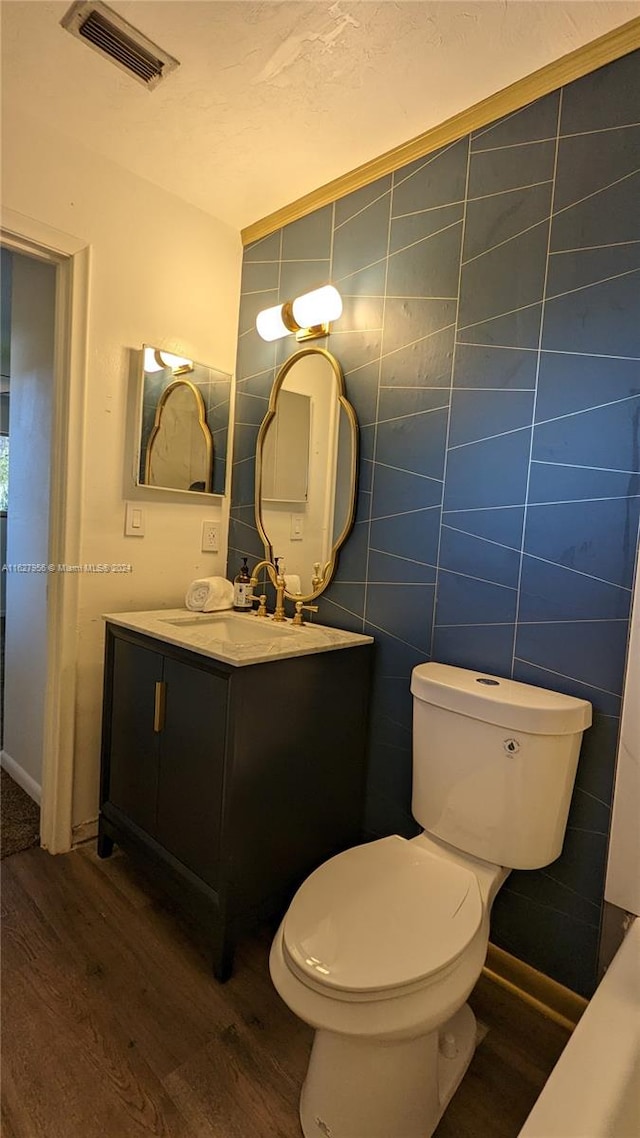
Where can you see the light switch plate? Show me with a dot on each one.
(133, 520)
(296, 529)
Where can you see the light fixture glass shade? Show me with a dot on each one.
(176, 363)
(317, 307)
(308, 316)
(270, 325)
(151, 362)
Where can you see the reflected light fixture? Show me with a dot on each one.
(308, 316)
(157, 360)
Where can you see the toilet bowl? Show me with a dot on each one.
(379, 952)
(382, 945)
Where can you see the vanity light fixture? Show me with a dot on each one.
(151, 361)
(308, 316)
(157, 360)
(179, 365)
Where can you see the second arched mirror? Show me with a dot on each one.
(306, 466)
(180, 449)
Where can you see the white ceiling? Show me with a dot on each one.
(275, 98)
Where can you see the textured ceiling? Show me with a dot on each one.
(274, 99)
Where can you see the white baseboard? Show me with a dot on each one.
(19, 775)
(84, 832)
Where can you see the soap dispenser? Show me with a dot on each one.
(242, 591)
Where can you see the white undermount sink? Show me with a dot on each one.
(233, 628)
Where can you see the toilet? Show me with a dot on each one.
(382, 944)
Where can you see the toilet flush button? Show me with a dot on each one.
(448, 1045)
(511, 746)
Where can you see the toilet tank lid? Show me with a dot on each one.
(493, 699)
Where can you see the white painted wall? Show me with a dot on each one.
(32, 353)
(163, 272)
(623, 868)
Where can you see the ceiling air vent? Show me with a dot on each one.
(106, 32)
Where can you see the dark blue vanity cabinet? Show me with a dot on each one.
(232, 783)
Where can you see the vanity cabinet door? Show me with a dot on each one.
(192, 751)
(234, 782)
(133, 754)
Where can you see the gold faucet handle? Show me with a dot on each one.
(261, 602)
(298, 618)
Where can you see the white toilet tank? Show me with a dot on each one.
(494, 763)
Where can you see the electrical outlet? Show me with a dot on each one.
(209, 542)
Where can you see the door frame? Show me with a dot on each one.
(72, 257)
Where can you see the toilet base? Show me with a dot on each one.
(365, 1088)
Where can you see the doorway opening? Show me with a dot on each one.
(48, 315)
(25, 568)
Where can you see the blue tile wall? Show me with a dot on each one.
(491, 347)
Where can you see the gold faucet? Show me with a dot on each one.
(277, 580)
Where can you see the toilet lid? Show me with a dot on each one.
(381, 916)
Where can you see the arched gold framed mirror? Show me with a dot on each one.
(179, 453)
(156, 370)
(306, 470)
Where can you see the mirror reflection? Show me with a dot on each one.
(306, 471)
(180, 448)
(184, 424)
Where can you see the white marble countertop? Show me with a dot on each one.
(236, 638)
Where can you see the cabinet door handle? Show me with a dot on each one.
(159, 705)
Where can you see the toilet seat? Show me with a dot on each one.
(380, 918)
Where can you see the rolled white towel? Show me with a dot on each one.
(220, 595)
(292, 584)
(209, 594)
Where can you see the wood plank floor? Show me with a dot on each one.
(113, 1026)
